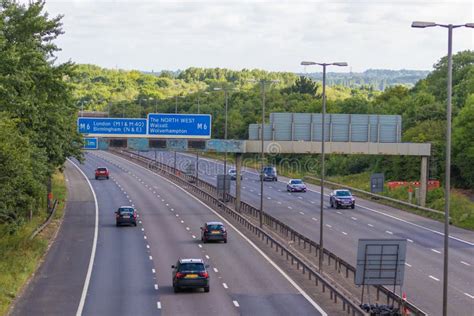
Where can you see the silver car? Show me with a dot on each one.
(296, 185)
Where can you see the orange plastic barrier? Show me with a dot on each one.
(432, 184)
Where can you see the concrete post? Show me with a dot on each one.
(423, 180)
(238, 169)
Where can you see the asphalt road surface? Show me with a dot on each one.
(131, 272)
(343, 228)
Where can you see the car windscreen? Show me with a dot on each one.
(126, 210)
(215, 227)
(101, 169)
(188, 266)
(343, 193)
(296, 182)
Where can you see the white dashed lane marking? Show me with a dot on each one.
(215, 270)
(389, 232)
(344, 233)
(432, 277)
(436, 251)
(370, 225)
(408, 265)
(469, 295)
(314, 219)
(156, 286)
(225, 286)
(158, 305)
(236, 304)
(465, 263)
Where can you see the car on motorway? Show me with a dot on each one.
(269, 173)
(190, 274)
(126, 215)
(213, 231)
(101, 172)
(233, 174)
(296, 185)
(341, 198)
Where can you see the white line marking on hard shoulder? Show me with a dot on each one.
(215, 270)
(432, 277)
(207, 257)
(158, 305)
(94, 245)
(156, 286)
(434, 250)
(389, 232)
(225, 286)
(465, 263)
(469, 295)
(236, 304)
(290, 280)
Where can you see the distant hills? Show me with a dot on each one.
(378, 79)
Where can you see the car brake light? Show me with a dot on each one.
(179, 275)
(204, 274)
(134, 215)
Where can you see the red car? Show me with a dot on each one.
(101, 172)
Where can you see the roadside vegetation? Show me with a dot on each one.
(20, 255)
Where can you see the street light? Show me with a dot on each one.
(262, 83)
(226, 97)
(450, 27)
(321, 227)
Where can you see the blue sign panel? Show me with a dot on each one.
(179, 125)
(111, 126)
(91, 143)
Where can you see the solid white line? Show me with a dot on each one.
(156, 286)
(432, 277)
(434, 250)
(288, 278)
(469, 295)
(94, 245)
(225, 286)
(465, 263)
(236, 304)
(215, 270)
(158, 305)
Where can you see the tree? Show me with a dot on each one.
(303, 85)
(463, 144)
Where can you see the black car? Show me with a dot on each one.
(268, 173)
(190, 274)
(213, 231)
(341, 198)
(126, 215)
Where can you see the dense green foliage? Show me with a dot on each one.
(37, 111)
(423, 108)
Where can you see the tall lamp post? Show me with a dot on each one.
(321, 226)
(450, 27)
(226, 97)
(263, 83)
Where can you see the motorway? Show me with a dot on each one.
(130, 267)
(343, 228)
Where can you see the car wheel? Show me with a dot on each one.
(135, 224)
(330, 204)
(207, 289)
(107, 177)
(175, 289)
(225, 241)
(117, 224)
(96, 178)
(337, 205)
(352, 206)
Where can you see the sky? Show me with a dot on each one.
(271, 35)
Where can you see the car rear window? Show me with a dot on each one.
(126, 210)
(268, 170)
(214, 227)
(343, 193)
(191, 267)
(102, 169)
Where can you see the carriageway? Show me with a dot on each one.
(242, 147)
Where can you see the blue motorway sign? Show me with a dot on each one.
(91, 143)
(179, 125)
(111, 126)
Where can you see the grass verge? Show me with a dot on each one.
(20, 256)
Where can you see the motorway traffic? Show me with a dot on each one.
(343, 228)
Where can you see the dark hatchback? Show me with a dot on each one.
(190, 274)
(213, 231)
(126, 215)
